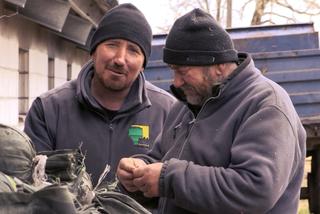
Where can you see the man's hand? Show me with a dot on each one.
(146, 179)
(125, 172)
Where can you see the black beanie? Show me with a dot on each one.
(197, 39)
(124, 21)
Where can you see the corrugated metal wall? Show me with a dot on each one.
(287, 54)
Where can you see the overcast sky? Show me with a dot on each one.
(157, 12)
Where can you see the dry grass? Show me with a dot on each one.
(303, 205)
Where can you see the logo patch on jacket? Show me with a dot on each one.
(139, 134)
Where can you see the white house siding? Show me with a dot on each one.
(27, 46)
(75, 70)
(8, 80)
(38, 74)
(60, 67)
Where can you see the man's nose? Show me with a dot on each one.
(120, 56)
(178, 80)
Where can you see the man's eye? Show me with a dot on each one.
(110, 44)
(134, 50)
(181, 70)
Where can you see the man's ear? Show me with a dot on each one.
(93, 55)
(226, 68)
(220, 69)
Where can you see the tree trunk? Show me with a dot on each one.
(229, 13)
(218, 15)
(259, 11)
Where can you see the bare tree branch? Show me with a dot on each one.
(288, 6)
(311, 4)
(229, 13)
(200, 3)
(280, 15)
(259, 11)
(207, 5)
(244, 6)
(218, 14)
(269, 21)
(264, 9)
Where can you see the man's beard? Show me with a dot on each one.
(195, 96)
(114, 83)
(198, 95)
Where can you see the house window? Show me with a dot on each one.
(23, 96)
(50, 73)
(69, 72)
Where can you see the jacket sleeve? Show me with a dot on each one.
(35, 127)
(264, 157)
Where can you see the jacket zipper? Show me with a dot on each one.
(163, 205)
(190, 127)
(191, 124)
(110, 130)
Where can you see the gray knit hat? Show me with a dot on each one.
(197, 39)
(124, 22)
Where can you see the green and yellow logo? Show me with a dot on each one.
(139, 133)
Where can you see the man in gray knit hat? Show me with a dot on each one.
(110, 109)
(234, 144)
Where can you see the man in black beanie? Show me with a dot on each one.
(110, 109)
(234, 144)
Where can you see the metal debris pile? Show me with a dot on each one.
(53, 181)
